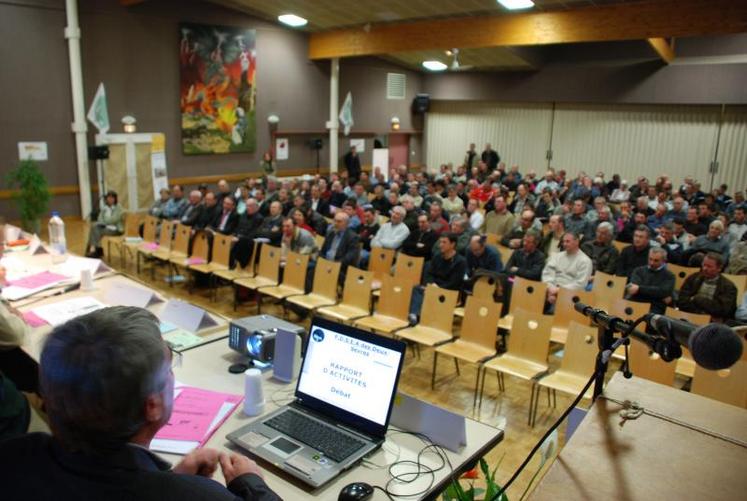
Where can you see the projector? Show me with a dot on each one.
(254, 337)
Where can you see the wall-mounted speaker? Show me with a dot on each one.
(421, 103)
(316, 144)
(98, 152)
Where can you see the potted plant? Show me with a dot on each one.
(457, 492)
(32, 193)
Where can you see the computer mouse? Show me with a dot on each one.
(357, 491)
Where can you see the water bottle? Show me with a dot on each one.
(57, 238)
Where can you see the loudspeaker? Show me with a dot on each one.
(421, 103)
(98, 152)
(315, 144)
(287, 361)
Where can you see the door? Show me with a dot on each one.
(399, 150)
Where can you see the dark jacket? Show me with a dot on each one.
(231, 223)
(192, 214)
(272, 229)
(653, 287)
(529, 265)
(353, 166)
(207, 214)
(427, 239)
(248, 225)
(675, 251)
(322, 207)
(366, 232)
(36, 466)
(544, 246)
(604, 257)
(722, 305)
(381, 205)
(348, 250)
(630, 259)
(446, 273)
(490, 261)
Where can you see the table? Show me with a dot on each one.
(207, 367)
(649, 457)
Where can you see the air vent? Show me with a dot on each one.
(395, 85)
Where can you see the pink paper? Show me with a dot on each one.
(150, 246)
(38, 280)
(33, 320)
(194, 410)
(196, 260)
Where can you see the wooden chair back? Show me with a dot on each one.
(409, 267)
(741, 282)
(619, 245)
(326, 274)
(438, 308)
(728, 386)
(319, 239)
(395, 297)
(181, 239)
(629, 310)
(565, 312)
(530, 336)
(357, 289)
(380, 262)
(222, 249)
(167, 235)
(484, 288)
(680, 273)
(149, 228)
(648, 365)
(528, 295)
(295, 270)
(505, 253)
(480, 324)
(492, 239)
(269, 262)
(580, 351)
(695, 318)
(607, 289)
(200, 246)
(132, 222)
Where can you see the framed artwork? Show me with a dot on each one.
(217, 89)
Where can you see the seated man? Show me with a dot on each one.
(194, 209)
(498, 221)
(576, 221)
(481, 256)
(341, 243)
(249, 224)
(653, 283)
(635, 255)
(603, 254)
(446, 270)
(436, 218)
(393, 233)
(713, 241)
(513, 238)
(552, 242)
(101, 432)
(708, 291)
(667, 241)
(176, 205)
(421, 241)
(366, 231)
(109, 222)
(295, 239)
(463, 231)
(210, 210)
(272, 225)
(527, 262)
(227, 219)
(570, 269)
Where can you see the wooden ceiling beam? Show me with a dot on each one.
(627, 21)
(663, 48)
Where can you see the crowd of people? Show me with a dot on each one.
(561, 229)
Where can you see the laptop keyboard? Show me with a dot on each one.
(333, 443)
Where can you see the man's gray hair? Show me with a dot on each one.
(658, 251)
(95, 374)
(604, 225)
(399, 209)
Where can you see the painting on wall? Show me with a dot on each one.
(218, 67)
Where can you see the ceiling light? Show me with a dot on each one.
(449, 53)
(292, 20)
(434, 65)
(516, 4)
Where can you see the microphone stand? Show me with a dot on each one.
(607, 344)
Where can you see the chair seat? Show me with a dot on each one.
(685, 366)
(311, 301)
(144, 251)
(381, 323)
(506, 322)
(467, 351)
(281, 291)
(343, 312)
(515, 366)
(425, 335)
(232, 275)
(459, 311)
(559, 335)
(161, 254)
(255, 282)
(208, 267)
(179, 259)
(566, 382)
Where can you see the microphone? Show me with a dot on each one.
(602, 319)
(713, 346)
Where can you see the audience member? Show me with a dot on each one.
(653, 283)
(674, 247)
(110, 222)
(513, 239)
(602, 253)
(176, 205)
(227, 220)
(636, 254)
(528, 261)
(392, 234)
(481, 256)
(498, 221)
(570, 269)
(708, 291)
(421, 241)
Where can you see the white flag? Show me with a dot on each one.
(346, 113)
(97, 113)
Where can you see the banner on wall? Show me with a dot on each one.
(281, 148)
(158, 164)
(98, 114)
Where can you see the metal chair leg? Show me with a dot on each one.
(549, 403)
(456, 363)
(536, 406)
(477, 384)
(482, 388)
(433, 376)
(554, 399)
(531, 405)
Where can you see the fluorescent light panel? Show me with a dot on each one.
(434, 65)
(516, 4)
(292, 20)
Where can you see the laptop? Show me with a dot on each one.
(342, 405)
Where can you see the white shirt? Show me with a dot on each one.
(568, 271)
(390, 236)
(476, 220)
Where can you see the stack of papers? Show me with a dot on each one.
(31, 284)
(60, 312)
(196, 415)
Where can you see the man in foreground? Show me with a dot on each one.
(104, 413)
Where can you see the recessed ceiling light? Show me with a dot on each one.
(516, 4)
(292, 20)
(434, 65)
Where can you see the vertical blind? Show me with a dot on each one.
(632, 140)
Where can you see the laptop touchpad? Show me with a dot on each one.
(282, 447)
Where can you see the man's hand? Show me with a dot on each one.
(235, 465)
(514, 243)
(633, 289)
(201, 462)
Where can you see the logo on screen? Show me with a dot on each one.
(318, 335)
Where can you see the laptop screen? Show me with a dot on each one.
(350, 374)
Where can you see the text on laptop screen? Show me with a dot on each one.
(351, 374)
